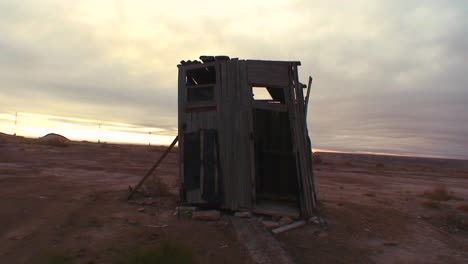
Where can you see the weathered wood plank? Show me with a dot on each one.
(269, 106)
(261, 73)
(288, 227)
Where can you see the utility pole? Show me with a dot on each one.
(99, 136)
(149, 143)
(16, 123)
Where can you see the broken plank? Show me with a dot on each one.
(288, 227)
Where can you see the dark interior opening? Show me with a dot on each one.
(275, 161)
(200, 83)
(201, 76)
(200, 94)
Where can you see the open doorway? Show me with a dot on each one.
(276, 184)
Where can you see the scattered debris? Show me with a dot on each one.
(210, 215)
(186, 209)
(315, 220)
(141, 209)
(270, 224)
(223, 246)
(285, 221)
(147, 201)
(288, 227)
(246, 214)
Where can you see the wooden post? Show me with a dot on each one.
(306, 101)
(154, 167)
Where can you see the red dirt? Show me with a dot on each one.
(72, 201)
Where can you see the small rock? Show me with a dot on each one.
(148, 201)
(210, 215)
(390, 243)
(17, 235)
(243, 214)
(186, 209)
(270, 224)
(285, 221)
(141, 209)
(315, 220)
(132, 221)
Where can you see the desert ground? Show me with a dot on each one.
(67, 203)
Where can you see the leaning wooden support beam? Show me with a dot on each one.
(154, 167)
(306, 101)
(288, 227)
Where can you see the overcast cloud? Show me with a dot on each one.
(389, 76)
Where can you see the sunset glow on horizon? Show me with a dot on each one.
(389, 76)
(79, 129)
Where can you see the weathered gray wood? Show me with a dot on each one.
(306, 101)
(303, 150)
(261, 73)
(181, 124)
(231, 115)
(270, 107)
(288, 227)
(193, 196)
(202, 165)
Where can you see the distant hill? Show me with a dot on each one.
(4, 138)
(55, 140)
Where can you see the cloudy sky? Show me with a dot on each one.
(389, 76)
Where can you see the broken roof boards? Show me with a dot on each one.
(243, 135)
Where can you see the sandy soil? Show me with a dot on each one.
(375, 210)
(72, 201)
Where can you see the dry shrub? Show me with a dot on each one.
(438, 193)
(431, 204)
(156, 186)
(370, 194)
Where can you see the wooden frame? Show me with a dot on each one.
(230, 114)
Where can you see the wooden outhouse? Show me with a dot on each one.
(243, 138)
